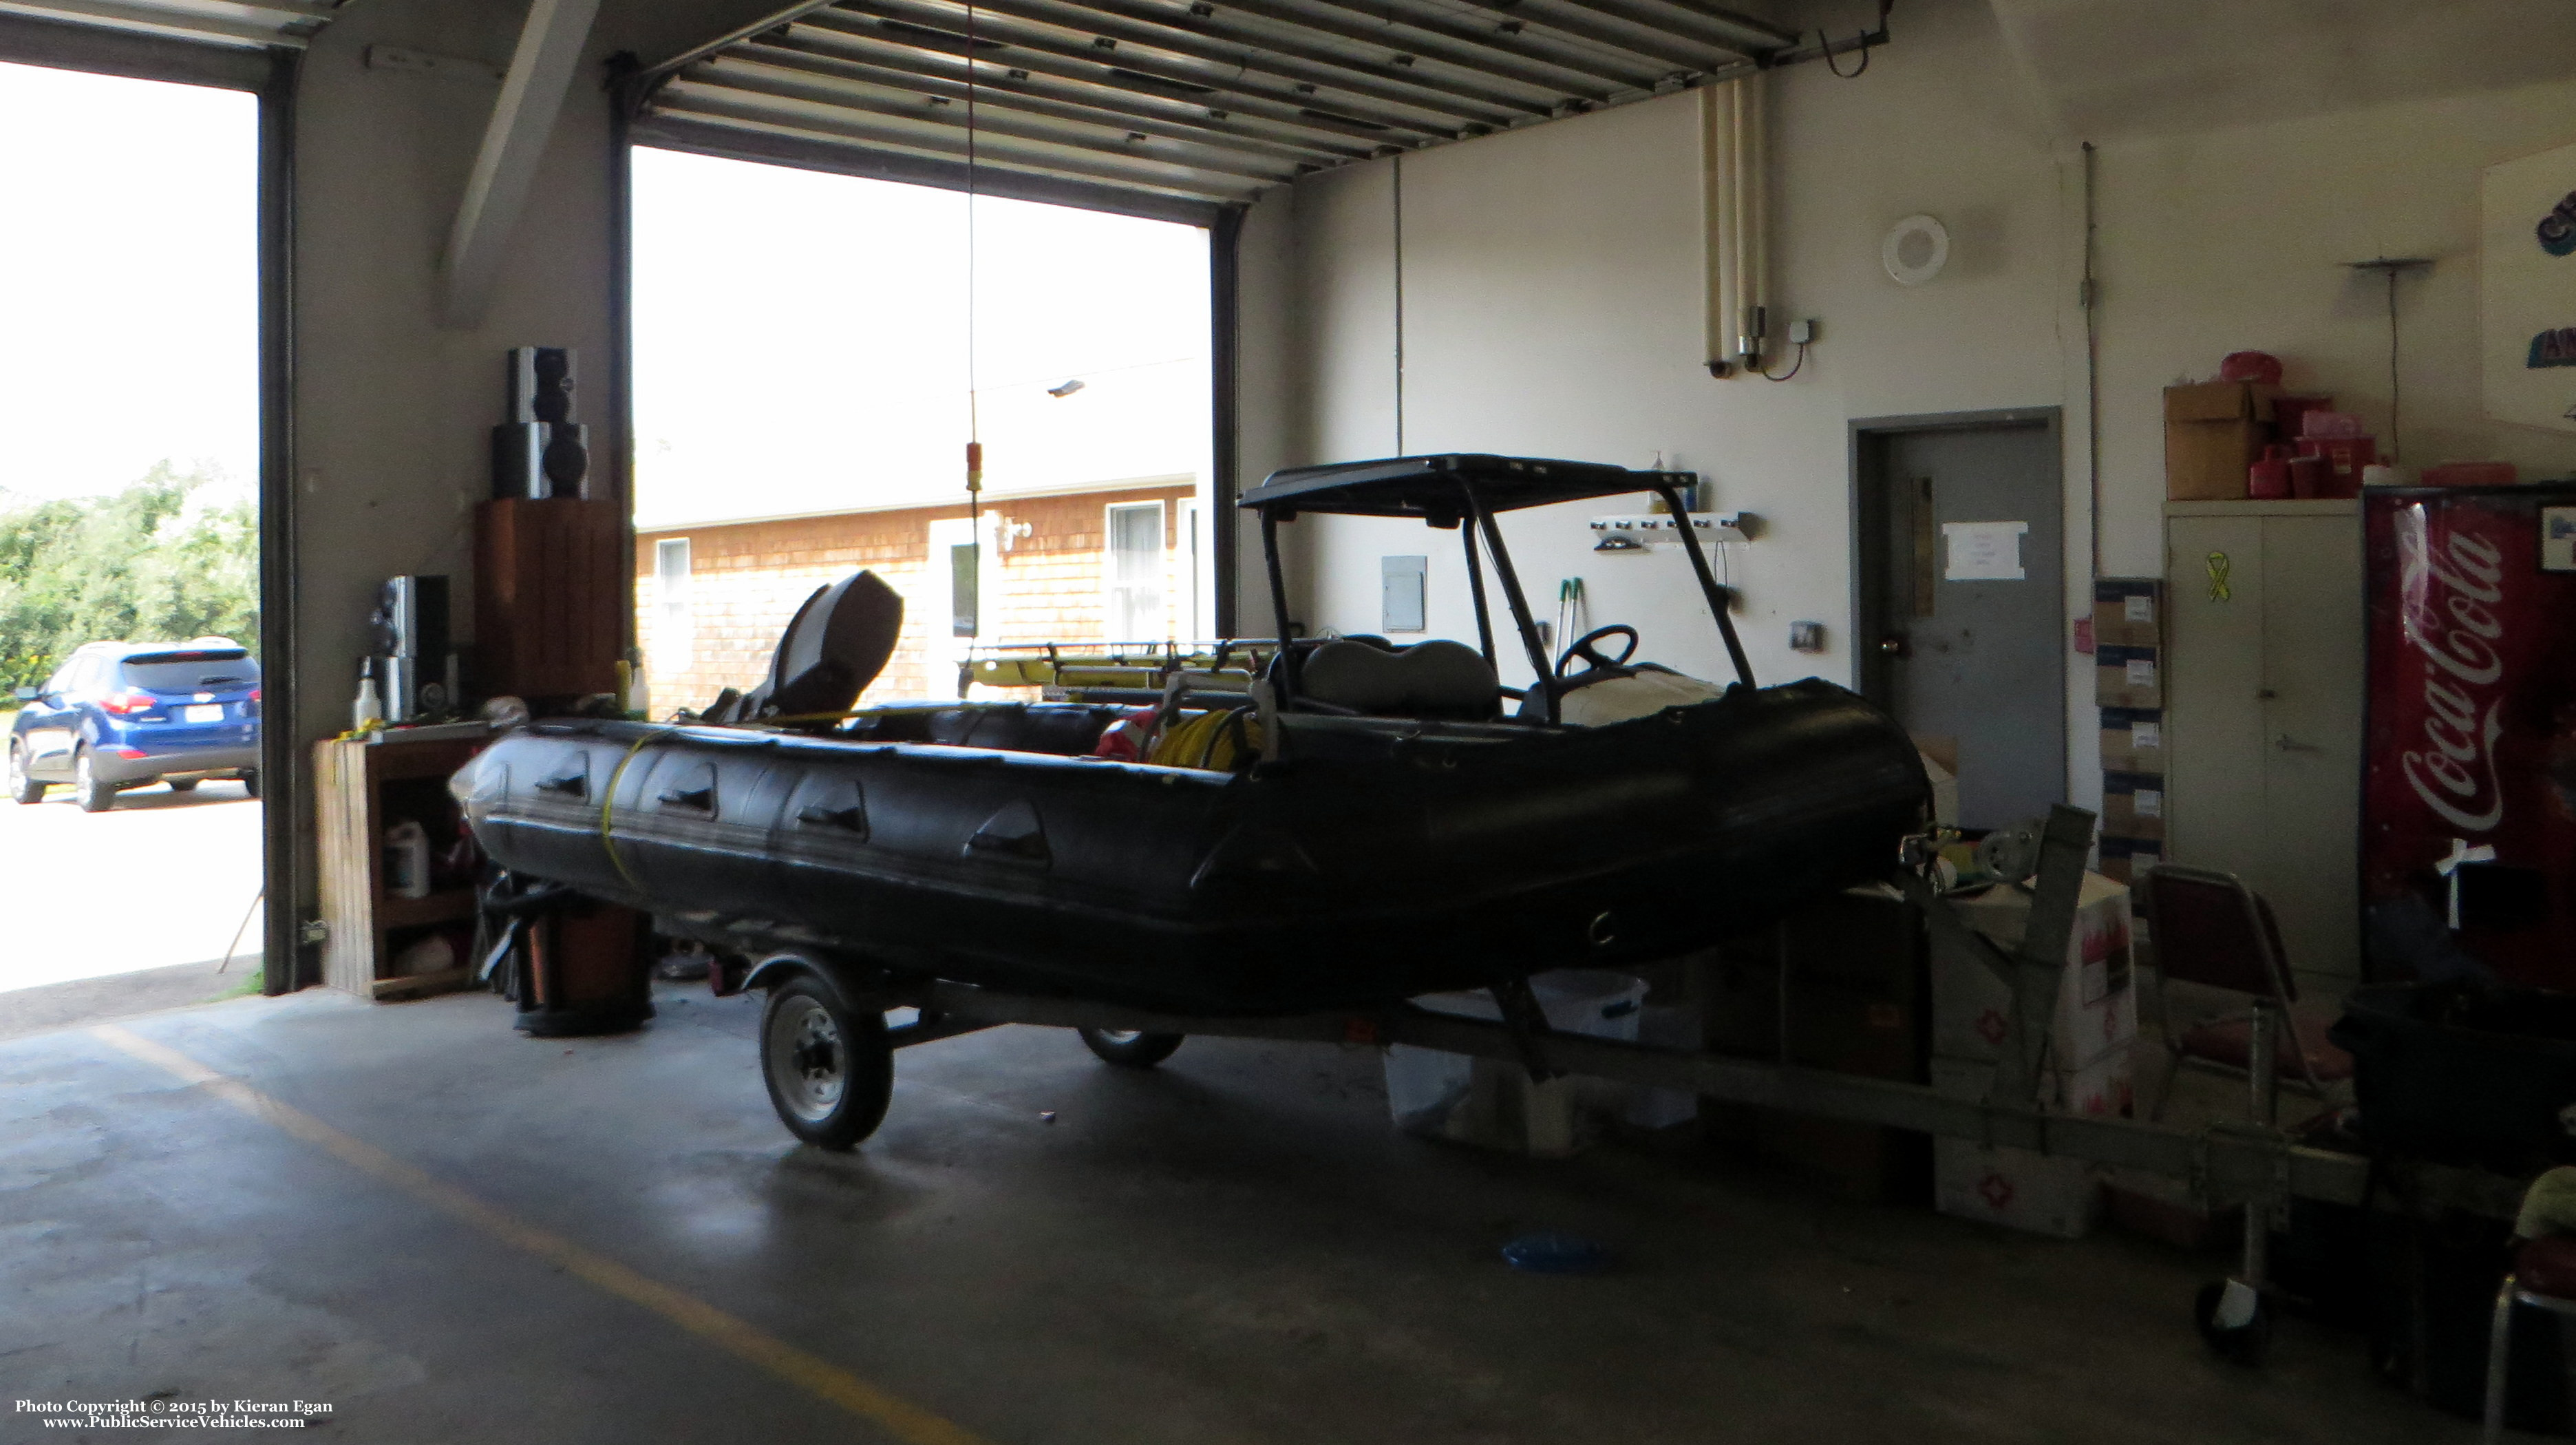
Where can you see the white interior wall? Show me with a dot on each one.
(1553, 301)
(393, 411)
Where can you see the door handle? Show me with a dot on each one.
(1894, 645)
(2287, 745)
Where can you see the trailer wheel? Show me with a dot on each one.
(829, 1069)
(1130, 1048)
(2234, 1320)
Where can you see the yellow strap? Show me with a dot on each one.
(608, 801)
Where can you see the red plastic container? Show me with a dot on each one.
(2259, 367)
(2270, 477)
(2307, 476)
(2344, 458)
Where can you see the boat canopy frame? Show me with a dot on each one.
(1467, 491)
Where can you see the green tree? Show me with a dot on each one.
(143, 565)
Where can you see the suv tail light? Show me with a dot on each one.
(129, 702)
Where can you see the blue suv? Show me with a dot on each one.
(122, 714)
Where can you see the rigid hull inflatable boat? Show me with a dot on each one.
(1373, 859)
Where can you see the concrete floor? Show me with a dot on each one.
(1236, 1248)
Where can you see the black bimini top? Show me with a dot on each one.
(1432, 488)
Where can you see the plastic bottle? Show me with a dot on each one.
(369, 709)
(2270, 477)
(407, 860)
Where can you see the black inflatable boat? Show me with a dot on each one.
(1366, 823)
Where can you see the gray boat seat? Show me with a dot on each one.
(1437, 679)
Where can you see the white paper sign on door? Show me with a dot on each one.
(1984, 551)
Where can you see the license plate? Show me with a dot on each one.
(209, 712)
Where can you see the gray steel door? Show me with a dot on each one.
(1968, 644)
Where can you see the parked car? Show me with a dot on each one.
(119, 715)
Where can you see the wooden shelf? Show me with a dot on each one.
(351, 780)
(446, 907)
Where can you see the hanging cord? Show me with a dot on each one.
(1794, 366)
(1399, 302)
(2396, 453)
(974, 419)
(1826, 45)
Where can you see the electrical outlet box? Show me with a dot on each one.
(1801, 332)
(1806, 637)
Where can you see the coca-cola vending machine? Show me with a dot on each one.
(2468, 865)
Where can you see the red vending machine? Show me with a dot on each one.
(2468, 863)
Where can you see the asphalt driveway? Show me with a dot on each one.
(161, 879)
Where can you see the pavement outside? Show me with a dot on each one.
(1235, 1248)
(159, 881)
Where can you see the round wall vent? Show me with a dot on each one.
(1915, 250)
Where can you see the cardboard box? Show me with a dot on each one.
(2126, 860)
(2015, 1188)
(2131, 677)
(1493, 1104)
(2133, 805)
(2097, 1003)
(1855, 969)
(2133, 740)
(2125, 612)
(2214, 431)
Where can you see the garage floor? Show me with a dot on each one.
(489, 1237)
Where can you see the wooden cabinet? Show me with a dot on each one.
(361, 790)
(550, 597)
(2264, 712)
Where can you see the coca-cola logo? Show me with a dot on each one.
(2452, 583)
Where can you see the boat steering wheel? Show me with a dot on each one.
(1582, 648)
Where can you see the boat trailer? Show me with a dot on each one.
(2252, 1161)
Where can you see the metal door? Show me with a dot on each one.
(1963, 617)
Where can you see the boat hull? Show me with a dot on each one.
(1376, 860)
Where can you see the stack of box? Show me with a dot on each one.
(2087, 1066)
(2129, 687)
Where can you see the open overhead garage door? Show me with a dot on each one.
(1172, 108)
(252, 23)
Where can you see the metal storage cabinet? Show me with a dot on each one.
(2264, 713)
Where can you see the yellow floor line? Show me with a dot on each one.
(901, 1418)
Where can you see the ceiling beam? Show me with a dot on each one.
(514, 142)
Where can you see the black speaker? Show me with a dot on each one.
(541, 459)
(541, 383)
(411, 618)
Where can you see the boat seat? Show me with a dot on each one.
(1437, 679)
(1064, 729)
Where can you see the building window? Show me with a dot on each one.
(673, 638)
(1135, 573)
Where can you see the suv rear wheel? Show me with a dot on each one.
(97, 794)
(23, 786)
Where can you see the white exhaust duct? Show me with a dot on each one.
(1734, 179)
